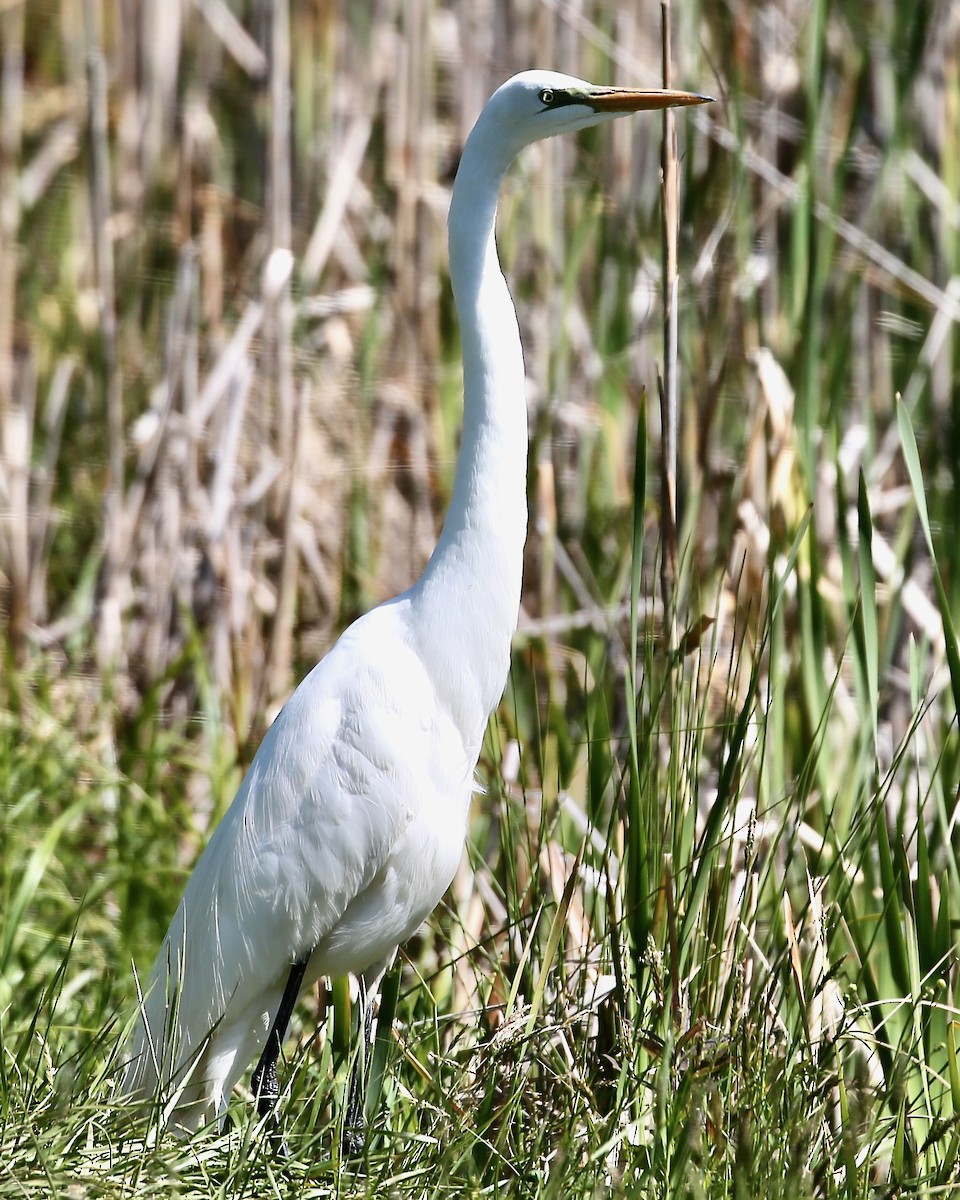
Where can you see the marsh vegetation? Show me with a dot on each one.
(704, 939)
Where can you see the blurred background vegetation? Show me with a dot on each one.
(705, 934)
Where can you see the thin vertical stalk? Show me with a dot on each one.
(280, 329)
(18, 454)
(280, 310)
(109, 616)
(11, 129)
(41, 502)
(280, 655)
(14, 432)
(669, 422)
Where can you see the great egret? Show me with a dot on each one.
(350, 822)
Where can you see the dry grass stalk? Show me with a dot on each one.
(110, 634)
(669, 416)
(280, 312)
(11, 132)
(14, 427)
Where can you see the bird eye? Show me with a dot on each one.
(546, 96)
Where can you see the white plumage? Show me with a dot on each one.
(342, 838)
(351, 820)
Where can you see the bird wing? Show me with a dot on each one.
(331, 789)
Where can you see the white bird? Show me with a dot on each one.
(350, 823)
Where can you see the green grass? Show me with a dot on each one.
(694, 976)
(704, 939)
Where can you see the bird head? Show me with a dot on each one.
(539, 104)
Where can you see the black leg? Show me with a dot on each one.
(355, 1121)
(264, 1082)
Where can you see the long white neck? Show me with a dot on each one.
(468, 599)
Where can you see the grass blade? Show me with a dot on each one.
(911, 458)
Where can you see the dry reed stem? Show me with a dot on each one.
(110, 633)
(11, 132)
(42, 516)
(14, 436)
(280, 317)
(18, 453)
(669, 417)
(234, 38)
